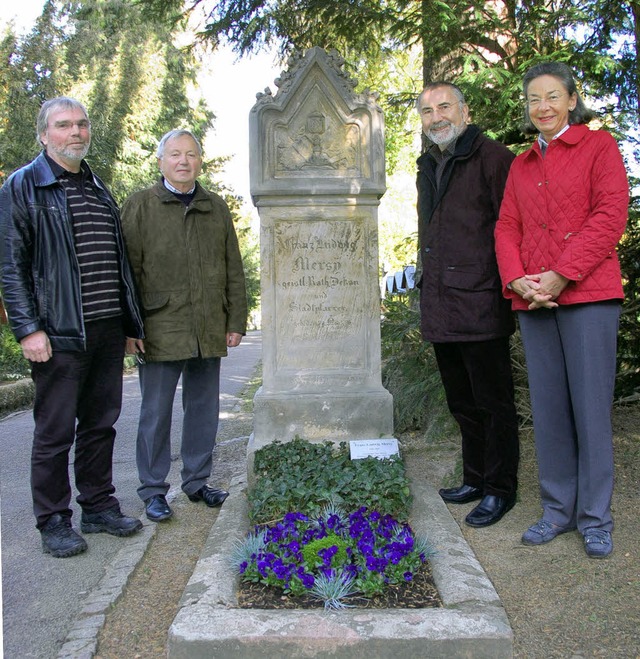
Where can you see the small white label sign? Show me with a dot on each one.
(375, 448)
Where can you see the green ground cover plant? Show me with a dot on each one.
(305, 477)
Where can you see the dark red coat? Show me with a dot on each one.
(460, 289)
(566, 212)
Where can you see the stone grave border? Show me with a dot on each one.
(472, 622)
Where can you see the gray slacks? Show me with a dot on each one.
(571, 364)
(200, 404)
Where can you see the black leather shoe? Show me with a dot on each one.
(157, 508)
(490, 510)
(462, 494)
(210, 496)
(110, 521)
(59, 539)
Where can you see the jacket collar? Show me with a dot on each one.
(44, 174)
(166, 196)
(571, 137)
(575, 133)
(466, 143)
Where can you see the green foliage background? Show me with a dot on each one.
(12, 364)
(120, 58)
(136, 84)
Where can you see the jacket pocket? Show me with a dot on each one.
(471, 300)
(471, 278)
(153, 302)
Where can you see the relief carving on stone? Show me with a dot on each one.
(318, 142)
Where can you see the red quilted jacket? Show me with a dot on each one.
(565, 212)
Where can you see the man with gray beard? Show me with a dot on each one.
(461, 179)
(70, 300)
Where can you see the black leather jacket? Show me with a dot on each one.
(40, 275)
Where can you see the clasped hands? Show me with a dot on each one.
(540, 290)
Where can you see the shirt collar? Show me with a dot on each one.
(544, 144)
(58, 170)
(175, 190)
(447, 152)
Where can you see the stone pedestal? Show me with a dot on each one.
(317, 174)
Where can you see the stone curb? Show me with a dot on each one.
(16, 396)
(82, 639)
(472, 623)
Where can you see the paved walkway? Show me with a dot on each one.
(43, 596)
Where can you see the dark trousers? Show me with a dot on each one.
(478, 384)
(78, 396)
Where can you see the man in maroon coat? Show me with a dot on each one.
(461, 179)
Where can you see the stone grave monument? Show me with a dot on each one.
(317, 174)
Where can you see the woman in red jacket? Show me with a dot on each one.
(563, 213)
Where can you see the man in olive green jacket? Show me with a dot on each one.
(185, 258)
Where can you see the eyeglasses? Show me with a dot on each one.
(83, 124)
(552, 99)
(443, 108)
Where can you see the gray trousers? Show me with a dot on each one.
(571, 363)
(200, 404)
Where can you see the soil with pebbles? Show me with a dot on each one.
(559, 602)
(421, 593)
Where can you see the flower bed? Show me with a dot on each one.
(334, 558)
(305, 477)
(322, 552)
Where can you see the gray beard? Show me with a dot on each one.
(449, 136)
(74, 154)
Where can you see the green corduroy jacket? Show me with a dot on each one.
(188, 269)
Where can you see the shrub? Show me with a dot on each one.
(409, 369)
(13, 365)
(410, 372)
(628, 371)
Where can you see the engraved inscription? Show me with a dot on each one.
(320, 298)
